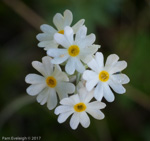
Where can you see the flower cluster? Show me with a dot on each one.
(74, 67)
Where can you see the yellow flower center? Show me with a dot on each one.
(73, 50)
(61, 31)
(51, 81)
(103, 76)
(80, 107)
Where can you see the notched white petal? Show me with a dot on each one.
(121, 78)
(59, 60)
(97, 114)
(39, 67)
(96, 105)
(67, 101)
(64, 88)
(68, 33)
(84, 119)
(91, 84)
(47, 29)
(87, 41)
(34, 79)
(117, 87)
(111, 60)
(99, 59)
(58, 21)
(81, 33)
(35, 89)
(78, 25)
(48, 44)
(68, 17)
(63, 116)
(70, 66)
(79, 66)
(98, 92)
(94, 66)
(52, 99)
(74, 122)
(108, 94)
(63, 109)
(48, 66)
(118, 67)
(60, 39)
(44, 37)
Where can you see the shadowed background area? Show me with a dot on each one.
(121, 27)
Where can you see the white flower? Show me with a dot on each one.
(47, 38)
(79, 106)
(46, 86)
(104, 76)
(80, 48)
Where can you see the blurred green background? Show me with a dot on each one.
(121, 27)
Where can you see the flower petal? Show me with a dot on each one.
(63, 109)
(59, 75)
(117, 87)
(89, 75)
(81, 34)
(59, 60)
(97, 114)
(87, 41)
(68, 33)
(94, 66)
(58, 21)
(52, 99)
(47, 29)
(84, 95)
(64, 88)
(42, 95)
(35, 89)
(78, 25)
(79, 66)
(48, 66)
(75, 99)
(56, 52)
(91, 82)
(87, 54)
(84, 119)
(118, 67)
(67, 18)
(98, 92)
(63, 116)
(108, 94)
(96, 105)
(99, 59)
(61, 39)
(67, 101)
(70, 66)
(111, 60)
(74, 122)
(34, 79)
(39, 67)
(120, 78)
(48, 44)
(44, 100)
(44, 37)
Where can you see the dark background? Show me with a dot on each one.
(121, 27)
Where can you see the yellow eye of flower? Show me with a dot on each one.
(103, 76)
(61, 31)
(73, 50)
(80, 107)
(51, 81)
